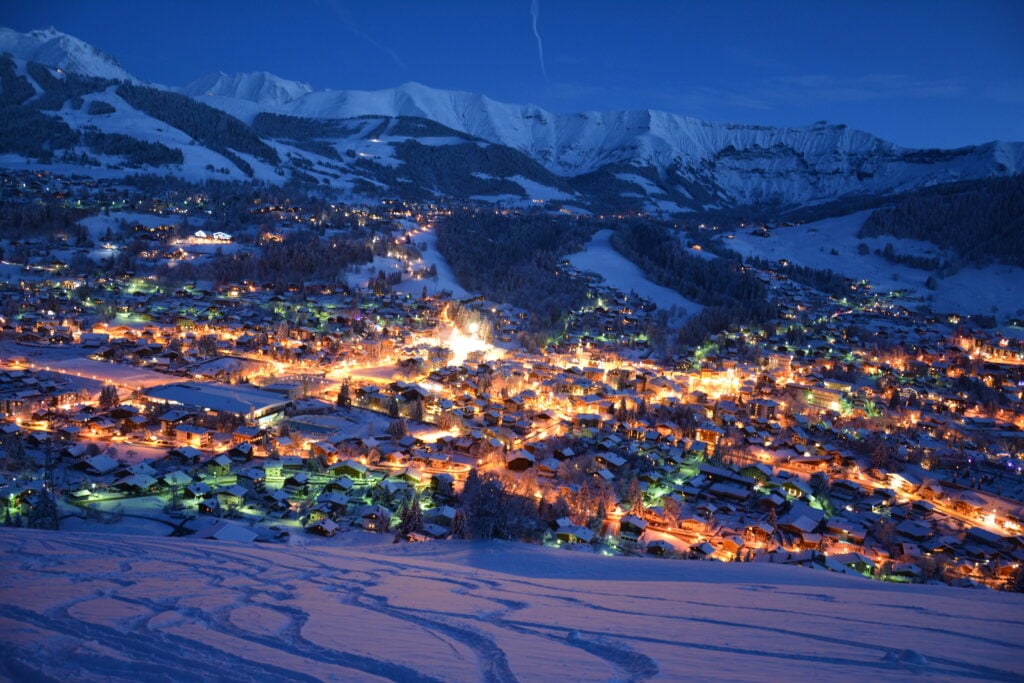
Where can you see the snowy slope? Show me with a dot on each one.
(59, 50)
(996, 289)
(91, 607)
(259, 87)
(599, 256)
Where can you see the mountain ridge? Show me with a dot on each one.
(648, 159)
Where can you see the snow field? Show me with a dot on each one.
(112, 607)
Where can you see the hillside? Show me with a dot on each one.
(108, 607)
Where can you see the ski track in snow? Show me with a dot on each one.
(110, 607)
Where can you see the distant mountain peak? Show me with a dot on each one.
(260, 87)
(58, 50)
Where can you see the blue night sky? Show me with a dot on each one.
(928, 74)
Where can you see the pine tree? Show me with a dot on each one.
(412, 517)
(458, 527)
(344, 395)
(416, 410)
(44, 514)
(108, 397)
(635, 496)
(398, 428)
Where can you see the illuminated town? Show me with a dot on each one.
(858, 433)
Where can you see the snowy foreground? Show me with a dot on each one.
(112, 607)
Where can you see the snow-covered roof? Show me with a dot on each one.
(222, 398)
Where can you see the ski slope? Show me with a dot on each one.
(90, 607)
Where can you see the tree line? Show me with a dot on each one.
(981, 221)
(515, 259)
(730, 293)
(210, 127)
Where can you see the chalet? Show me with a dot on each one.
(374, 518)
(210, 506)
(176, 479)
(323, 527)
(660, 548)
(192, 435)
(548, 467)
(796, 488)
(845, 490)
(914, 530)
(759, 532)
(850, 563)
(100, 464)
(297, 480)
(631, 527)
(903, 481)
(277, 501)
(252, 478)
(799, 525)
(219, 465)
(611, 460)
(984, 537)
(185, 455)
(716, 474)
(757, 471)
(246, 434)
(845, 530)
(729, 491)
(241, 452)
(348, 468)
(136, 484)
(197, 491)
(906, 570)
(231, 496)
(732, 545)
(702, 551)
(586, 421)
(571, 533)
(223, 530)
(519, 460)
(411, 476)
(171, 419)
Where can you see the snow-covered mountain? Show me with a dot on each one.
(749, 164)
(52, 48)
(260, 87)
(470, 146)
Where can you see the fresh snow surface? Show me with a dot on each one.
(647, 186)
(972, 290)
(426, 241)
(619, 272)
(92, 607)
(536, 190)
